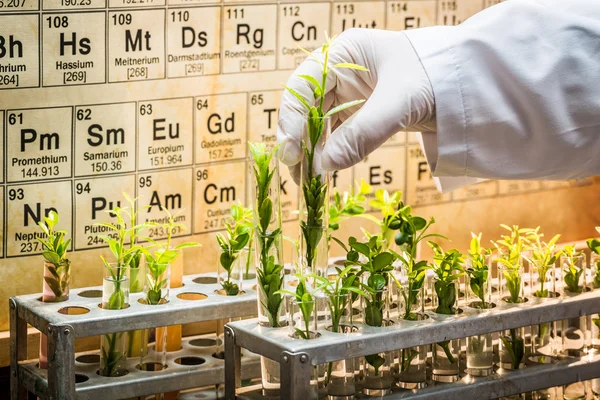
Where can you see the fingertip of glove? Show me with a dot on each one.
(289, 153)
(331, 162)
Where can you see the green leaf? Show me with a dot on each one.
(361, 248)
(116, 301)
(298, 96)
(312, 80)
(265, 212)
(52, 257)
(342, 107)
(382, 260)
(186, 245)
(373, 316)
(419, 223)
(342, 245)
(350, 66)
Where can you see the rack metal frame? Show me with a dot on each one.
(59, 380)
(297, 357)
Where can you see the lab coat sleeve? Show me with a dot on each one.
(517, 91)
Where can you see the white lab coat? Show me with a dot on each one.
(517, 91)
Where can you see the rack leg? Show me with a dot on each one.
(61, 361)
(233, 364)
(295, 376)
(18, 351)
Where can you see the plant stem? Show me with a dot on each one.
(247, 274)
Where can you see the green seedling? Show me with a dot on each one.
(314, 187)
(269, 271)
(306, 303)
(346, 282)
(55, 249)
(543, 257)
(408, 231)
(237, 236)
(123, 255)
(158, 260)
(572, 270)
(478, 271)
(131, 212)
(447, 267)
(377, 265)
(510, 248)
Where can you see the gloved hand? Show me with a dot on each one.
(400, 97)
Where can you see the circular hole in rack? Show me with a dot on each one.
(88, 359)
(90, 294)
(339, 262)
(151, 367)
(80, 378)
(507, 300)
(143, 301)
(541, 359)
(190, 360)
(124, 307)
(477, 305)
(344, 328)
(74, 310)
(120, 372)
(205, 280)
(222, 292)
(203, 342)
(191, 296)
(551, 295)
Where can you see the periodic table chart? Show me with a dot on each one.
(158, 98)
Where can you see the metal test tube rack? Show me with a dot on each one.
(297, 357)
(60, 380)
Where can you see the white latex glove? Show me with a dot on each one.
(398, 92)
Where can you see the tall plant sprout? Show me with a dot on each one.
(375, 266)
(112, 356)
(57, 264)
(573, 269)
(268, 232)
(131, 213)
(542, 257)
(408, 231)
(314, 185)
(509, 249)
(304, 296)
(478, 269)
(123, 254)
(448, 267)
(236, 237)
(158, 260)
